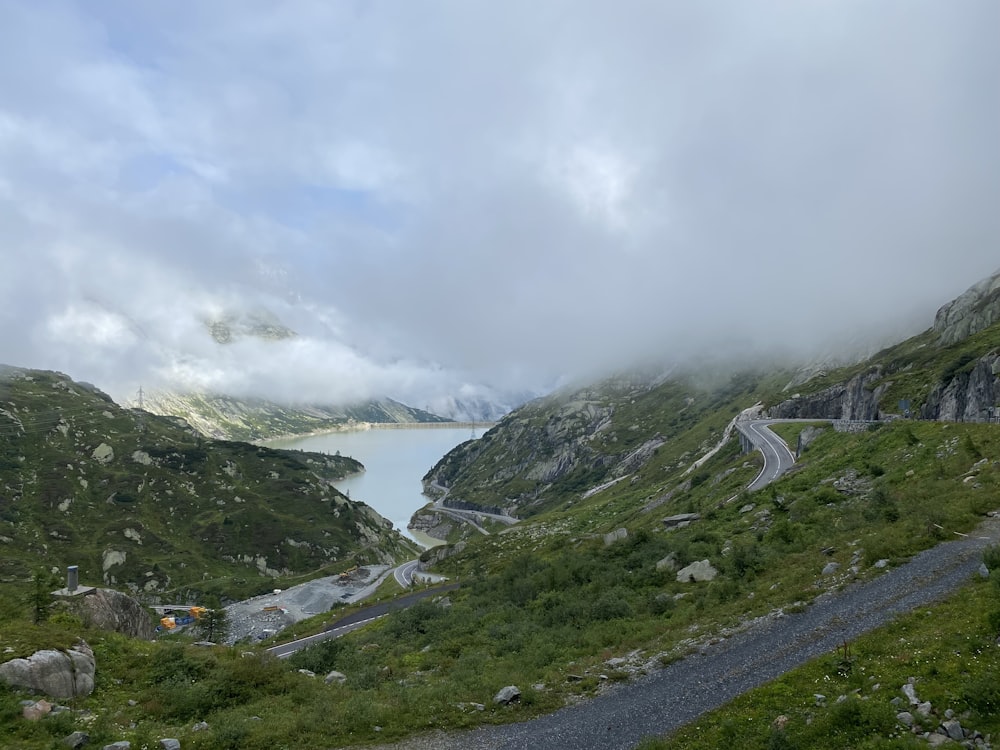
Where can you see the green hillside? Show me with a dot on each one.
(146, 504)
(593, 586)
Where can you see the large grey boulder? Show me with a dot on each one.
(507, 694)
(60, 674)
(699, 571)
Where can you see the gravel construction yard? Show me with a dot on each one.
(265, 615)
(680, 693)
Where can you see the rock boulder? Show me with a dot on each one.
(60, 674)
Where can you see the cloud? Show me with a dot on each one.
(441, 194)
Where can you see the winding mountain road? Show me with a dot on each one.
(358, 619)
(778, 457)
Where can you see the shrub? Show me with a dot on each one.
(982, 693)
(991, 557)
(855, 719)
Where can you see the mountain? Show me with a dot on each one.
(552, 450)
(229, 418)
(145, 503)
(638, 545)
(549, 452)
(234, 325)
(477, 404)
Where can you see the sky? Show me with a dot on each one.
(441, 196)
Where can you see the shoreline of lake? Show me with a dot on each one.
(395, 461)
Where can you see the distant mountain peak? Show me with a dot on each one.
(262, 324)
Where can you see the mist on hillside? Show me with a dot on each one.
(482, 200)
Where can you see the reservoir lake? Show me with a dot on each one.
(395, 460)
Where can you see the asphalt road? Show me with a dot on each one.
(778, 457)
(357, 619)
(669, 698)
(404, 573)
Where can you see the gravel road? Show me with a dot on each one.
(678, 694)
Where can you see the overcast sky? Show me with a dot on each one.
(484, 192)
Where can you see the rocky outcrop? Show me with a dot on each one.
(974, 310)
(59, 674)
(968, 396)
(857, 399)
(112, 610)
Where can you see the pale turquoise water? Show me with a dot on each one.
(395, 461)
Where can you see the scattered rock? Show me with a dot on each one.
(911, 694)
(120, 745)
(307, 672)
(953, 729)
(830, 568)
(339, 677)
(507, 695)
(616, 535)
(170, 744)
(680, 520)
(905, 718)
(668, 564)
(76, 740)
(984, 572)
(36, 710)
(699, 571)
(201, 726)
(103, 454)
(881, 563)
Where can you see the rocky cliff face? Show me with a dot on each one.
(857, 399)
(969, 396)
(973, 311)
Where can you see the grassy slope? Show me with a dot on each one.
(187, 514)
(549, 603)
